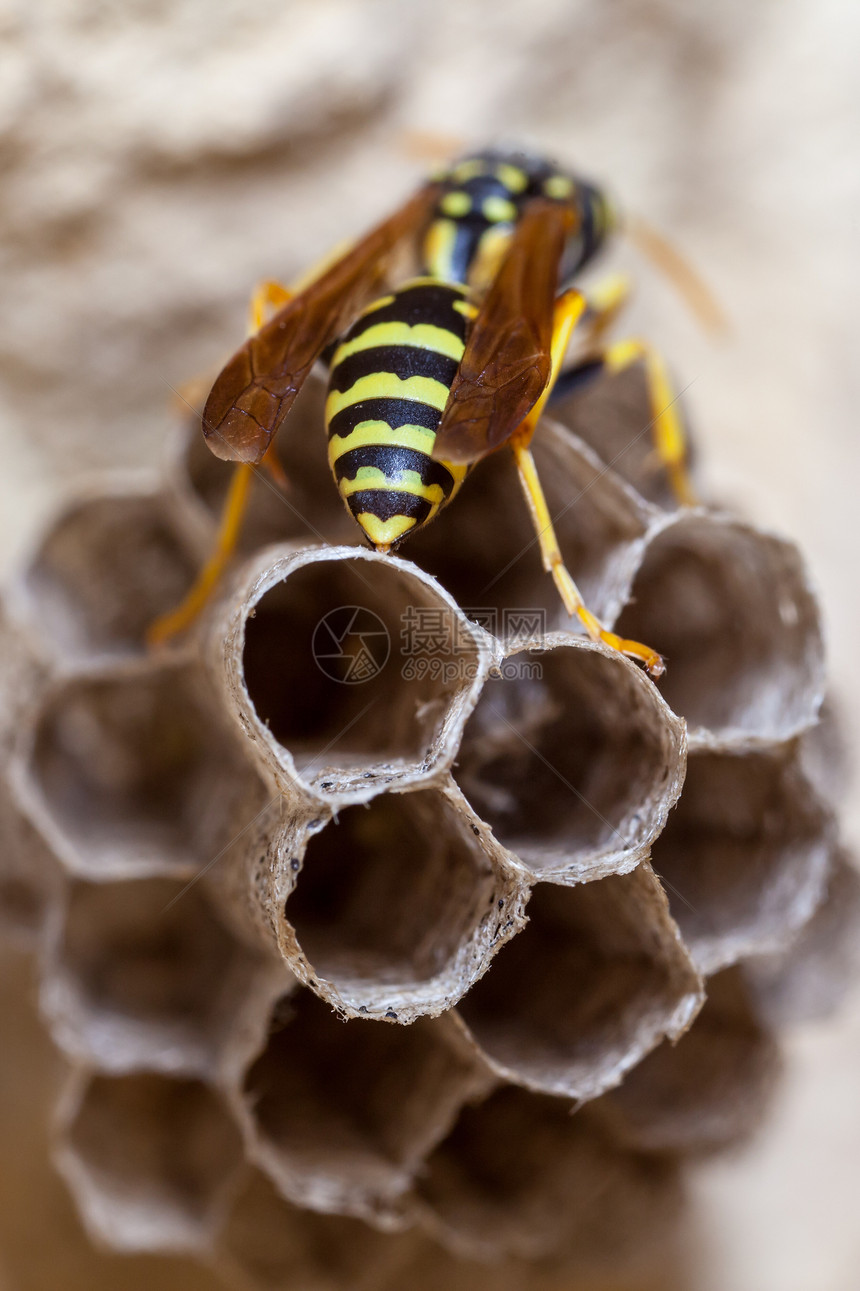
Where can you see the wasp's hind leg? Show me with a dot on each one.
(605, 301)
(569, 309)
(267, 296)
(667, 424)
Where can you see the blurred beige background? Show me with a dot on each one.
(161, 157)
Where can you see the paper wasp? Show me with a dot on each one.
(434, 375)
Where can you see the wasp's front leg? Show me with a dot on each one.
(269, 295)
(553, 562)
(570, 307)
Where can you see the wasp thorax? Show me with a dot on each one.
(483, 198)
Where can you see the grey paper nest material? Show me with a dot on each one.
(365, 985)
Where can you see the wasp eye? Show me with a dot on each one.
(456, 204)
(558, 186)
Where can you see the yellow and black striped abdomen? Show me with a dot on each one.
(390, 378)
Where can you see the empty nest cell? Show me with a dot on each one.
(521, 1174)
(808, 978)
(151, 1161)
(131, 775)
(108, 566)
(342, 1113)
(352, 669)
(729, 608)
(398, 906)
(744, 856)
(306, 509)
(272, 1244)
(597, 978)
(484, 550)
(143, 975)
(708, 1091)
(575, 762)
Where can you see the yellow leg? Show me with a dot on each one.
(670, 440)
(178, 620)
(272, 466)
(554, 564)
(569, 309)
(606, 299)
(267, 296)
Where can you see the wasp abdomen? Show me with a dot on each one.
(390, 379)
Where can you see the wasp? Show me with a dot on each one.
(430, 377)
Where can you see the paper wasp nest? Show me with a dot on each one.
(427, 970)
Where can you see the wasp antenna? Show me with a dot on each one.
(687, 282)
(427, 145)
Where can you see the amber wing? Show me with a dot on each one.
(507, 360)
(254, 392)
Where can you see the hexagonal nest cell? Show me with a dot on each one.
(398, 907)
(574, 763)
(596, 980)
(150, 1160)
(611, 413)
(709, 1090)
(143, 975)
(731, 610)
(109, 566)
(134, 774)
(269, 1243)
(330, 675)
(342, 1114)
(524, 1174)
(744, 857)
